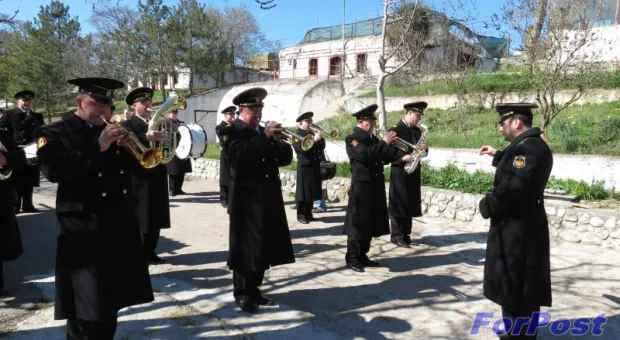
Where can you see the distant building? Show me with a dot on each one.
(320, 53)
(180, 79)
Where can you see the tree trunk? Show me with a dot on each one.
(381, 102)
(533, 36)
(543, 127)
(191, 81)
(617, 21)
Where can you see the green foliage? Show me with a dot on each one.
(498, 82)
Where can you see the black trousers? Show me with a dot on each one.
(223, 193)
(357, 250)
(150, 241)
(520, 312)
(246, 284)
(24, 196)
(401, 228)
(175, 183)
(91, 330)
(304, 210)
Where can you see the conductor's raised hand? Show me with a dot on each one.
(272, 128)
(390, 137)
(109, 135)
(488, 150)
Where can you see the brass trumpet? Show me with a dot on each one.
(307, 142)
(147, 157)
(333, 133)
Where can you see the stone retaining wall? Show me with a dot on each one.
(568, 222)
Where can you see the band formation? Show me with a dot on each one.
(129, 164)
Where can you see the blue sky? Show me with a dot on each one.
(290, 19)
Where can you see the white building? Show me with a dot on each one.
(320, 53)
(180, 79)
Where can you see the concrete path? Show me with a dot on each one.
(432, 291)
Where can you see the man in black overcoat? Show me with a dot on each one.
(367, 214)
(100, 263)
(22, 121)
(405, 196)
(12, 160)
(309, 185)
(517, 267)
(259, 236)
(222, 131)
(177, 168)
(150, 185)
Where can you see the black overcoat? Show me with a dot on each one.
(179, 166)
(23, 127)
(100, 262)
(367, 214)
(405, 190)
(150, 186)
(309, 187)
(517, 265)
(222, 131)
(10, 237)
(259, 234)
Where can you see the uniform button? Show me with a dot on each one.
(118, 152)
(100, 174)
(263, 159)
(122, 171)
(266, 175)
(125, 191)
(103, 194)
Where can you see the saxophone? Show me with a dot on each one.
(159, 122)
(417, 153)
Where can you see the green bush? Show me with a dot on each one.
(565, 133)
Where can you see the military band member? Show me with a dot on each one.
(405, 189)
(12, 160)
(222, 133)
(100, 265)
(309, 185)
(517, 273)
(22, 121)
(367, 214)
(259, 234)
(177, 168)
(150, 185)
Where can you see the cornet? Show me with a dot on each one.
(333, 133)
(307, 142)
(147, 157)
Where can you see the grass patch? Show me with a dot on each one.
(514, 80)
(589, 129)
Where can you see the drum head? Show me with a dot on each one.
(185, 143)
(31, 152)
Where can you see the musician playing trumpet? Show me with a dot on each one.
(259, 236)
(309, 184)
(405, 189)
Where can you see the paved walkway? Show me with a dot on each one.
(432, 291)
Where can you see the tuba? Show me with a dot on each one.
(417, 153)
(159, 122)
(4, 174)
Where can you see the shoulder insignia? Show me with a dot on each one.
(354, 142)
(41, 142)
(225, 138)
(519, 162)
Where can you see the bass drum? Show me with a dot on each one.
(193, 142)
(31, 153)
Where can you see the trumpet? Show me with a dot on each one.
(307, 141)
(333, 133)
(147, 157)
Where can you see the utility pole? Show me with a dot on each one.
(344, 53)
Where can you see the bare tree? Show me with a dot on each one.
(404, 21)
(266, 4)
(559, 47)
(8, 19)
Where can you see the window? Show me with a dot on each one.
(335, 65)
(361, 63)
(313, 67)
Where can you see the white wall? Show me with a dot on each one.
(576, 167)
(603, 44)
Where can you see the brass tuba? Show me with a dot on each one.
(159, 122)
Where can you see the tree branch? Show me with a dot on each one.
(264, 4)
